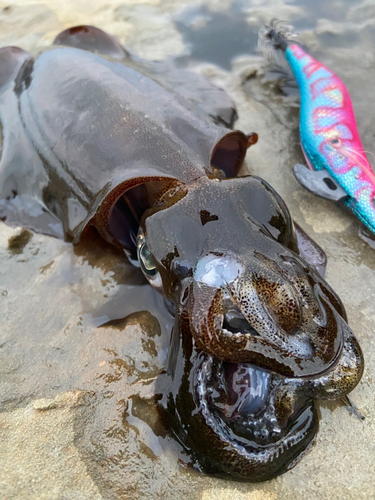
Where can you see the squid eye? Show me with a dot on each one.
(147, 263)
(145, 259)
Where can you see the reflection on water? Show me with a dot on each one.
(336, 10)
(215, 37)
(220, 37)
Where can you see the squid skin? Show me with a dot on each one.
(142, 152)
(233, 286)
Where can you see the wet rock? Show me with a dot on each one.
(26, 25)
(39, 458)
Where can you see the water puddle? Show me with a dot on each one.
(215, 36)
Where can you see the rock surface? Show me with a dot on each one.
(77, 419)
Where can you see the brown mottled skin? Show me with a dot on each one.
(93, 136)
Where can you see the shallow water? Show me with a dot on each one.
(76, 400)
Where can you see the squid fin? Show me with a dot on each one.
(194, 87)
(12, 59)
(91, 39)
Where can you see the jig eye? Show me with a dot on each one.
(147, 263)
(335, 143)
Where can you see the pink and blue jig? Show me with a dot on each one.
(339, 168)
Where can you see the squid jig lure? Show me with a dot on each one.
(339, 169)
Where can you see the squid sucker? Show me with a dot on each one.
(143, 152)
